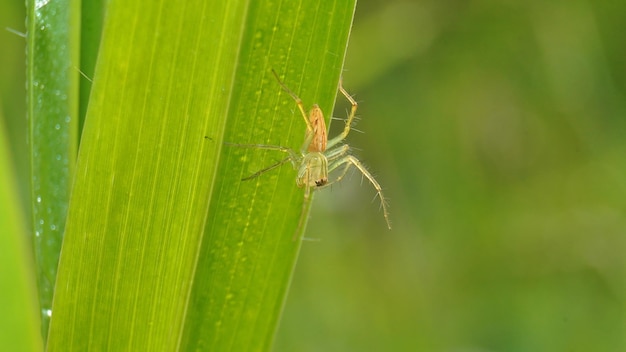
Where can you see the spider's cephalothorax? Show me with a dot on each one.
(319, 156)
(313, 171)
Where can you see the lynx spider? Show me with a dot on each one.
(319, 156)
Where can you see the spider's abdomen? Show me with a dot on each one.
(314, 171)
(319, 139)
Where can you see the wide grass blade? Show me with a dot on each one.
(248, 254)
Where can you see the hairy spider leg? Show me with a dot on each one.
(309, 127)
(339, 157)
(349, 120)
(348, 161)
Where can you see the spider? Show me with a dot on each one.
(319, 156)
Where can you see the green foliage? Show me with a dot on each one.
(495, 128)
(18, 325)
(52, 100)
(164, 246)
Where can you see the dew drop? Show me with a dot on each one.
(41, 3)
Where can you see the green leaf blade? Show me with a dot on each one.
(144, 175)
(52, 91)
(248, 255)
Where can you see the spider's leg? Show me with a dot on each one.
(303, 213)
(333, 154)
(349, 120)
(309, 127)
(292, 157)
(269, 168)
(349, 161)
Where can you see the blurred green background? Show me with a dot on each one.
(497, 130)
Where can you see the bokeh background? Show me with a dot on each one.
(498, 130)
